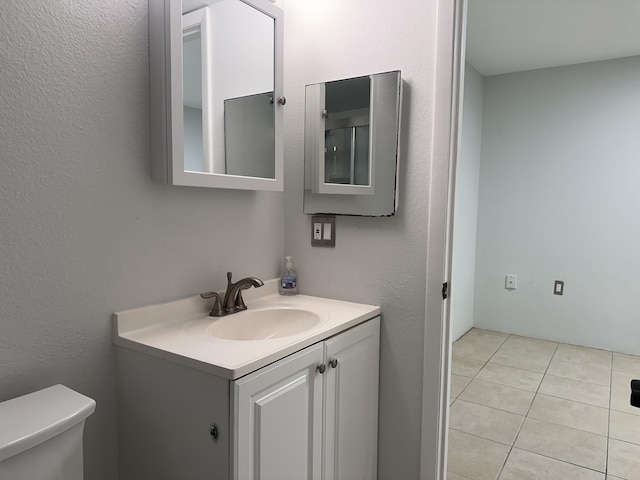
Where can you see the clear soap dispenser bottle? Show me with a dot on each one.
(288, 279)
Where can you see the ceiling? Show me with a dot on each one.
(506, 36)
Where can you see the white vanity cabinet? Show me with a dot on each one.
(313, 415)
(351, 404)
(310, 415)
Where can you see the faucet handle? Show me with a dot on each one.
(216, 310)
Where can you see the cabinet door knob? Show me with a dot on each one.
(214, 432)
(333, 362)
(282, 100)
(322, 368)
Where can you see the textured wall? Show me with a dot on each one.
(376, 260)
(559, 200)
(84, 231)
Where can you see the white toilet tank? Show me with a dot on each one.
(41, 435)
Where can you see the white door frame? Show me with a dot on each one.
(449, 74)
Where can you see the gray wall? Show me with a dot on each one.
(376, 260)
(559, 199)
(465, 216)
(84, 231)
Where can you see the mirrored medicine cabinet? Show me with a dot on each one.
(216, 93)
(351, 145)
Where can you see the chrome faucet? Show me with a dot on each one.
(232, 301)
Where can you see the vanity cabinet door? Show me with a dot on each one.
(278, 420)
(351, 403)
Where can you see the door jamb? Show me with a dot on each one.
(449, 77)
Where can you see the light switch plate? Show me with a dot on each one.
(323, 231)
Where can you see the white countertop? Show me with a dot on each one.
(178, 331)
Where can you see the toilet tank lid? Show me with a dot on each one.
(39, 416)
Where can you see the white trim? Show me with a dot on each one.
(437, 345)
(199, 20)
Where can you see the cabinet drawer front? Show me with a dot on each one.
(278, 418)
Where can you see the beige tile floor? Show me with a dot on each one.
(524, 409)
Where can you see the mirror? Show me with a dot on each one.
(216, 93)
(351, 145)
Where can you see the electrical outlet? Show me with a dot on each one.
(323, 231)
(558, 287)
(511, 282)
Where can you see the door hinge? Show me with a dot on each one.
(445, 290)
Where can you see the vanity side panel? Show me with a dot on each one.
(165, 413)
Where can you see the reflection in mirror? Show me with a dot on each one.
(346, 133)
(233, 95)
(196, 90)
(216, 69)
(252, 156)
(351, 145)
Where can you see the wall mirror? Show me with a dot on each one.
(216, 93)
(351, 145)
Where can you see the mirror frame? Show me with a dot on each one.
(166, 101)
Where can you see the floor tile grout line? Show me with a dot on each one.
(582, 363)
(458, 474)
(606, 458)
(577, 380)
(538, 389)
(600, 351)
(488, 380)
(537, 392)
(491, 407)
(560, 460)
(511, 447)
(525, 416)
(570, 428)
(515, 440)
(474, 377)
(558, 343)
(571, 400)
(483, 365)
(611, 367)
(511, 366)
(475, 435)
(506, 459)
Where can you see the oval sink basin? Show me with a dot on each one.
(263, 324)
